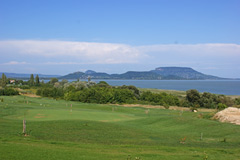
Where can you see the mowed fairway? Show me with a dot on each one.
(63, 130)
(72, 114)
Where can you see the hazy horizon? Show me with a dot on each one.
(62, 37)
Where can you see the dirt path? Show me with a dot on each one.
(30, 95)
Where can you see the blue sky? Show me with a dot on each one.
(115, 36)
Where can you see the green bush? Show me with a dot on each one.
(221, 106)
(206, 100)
(8, 92)
(24, 87)
(237, 101)
(50, 92)
(160, 98)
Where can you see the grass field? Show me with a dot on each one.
(104, 132)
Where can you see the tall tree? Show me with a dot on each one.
(31, 81)
(193, 96)
(89, 79)
(37, 82)
(53, 81)
(4, 80)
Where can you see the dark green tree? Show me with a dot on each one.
(37, 82)
(4, 80)
(237, 101)
(208, 100)
(31, 81)
(53, 80)
(103, 84)
(133, 88)
(193, 96)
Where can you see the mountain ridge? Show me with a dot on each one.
(160, 73)
(184, 72)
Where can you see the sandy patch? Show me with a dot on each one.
(139, 105)
(114, 120)
(230, 115)
(31, 95)
(179, 108)
(39, 117)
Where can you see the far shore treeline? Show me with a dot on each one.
(103, 93)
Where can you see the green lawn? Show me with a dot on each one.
(102, 132)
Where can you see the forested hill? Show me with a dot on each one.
(182, 72)
(163, 73)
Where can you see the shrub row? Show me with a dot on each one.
(207, 100)
(8, 92)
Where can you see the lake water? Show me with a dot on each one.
(227, 87)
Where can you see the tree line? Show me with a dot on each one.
(195, 100)
(6, 91)
(90, 92)
(102, 92)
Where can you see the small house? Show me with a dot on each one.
(12, 81)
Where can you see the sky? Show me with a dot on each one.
(115, 36)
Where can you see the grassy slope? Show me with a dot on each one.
(174, 92)
(104, 132)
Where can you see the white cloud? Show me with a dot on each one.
(63, 63)
(194, 49)
(75, 55)
(14, 63)
(68, 52)
(96, 53)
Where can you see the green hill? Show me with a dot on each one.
(182, 73)
(164, 73)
